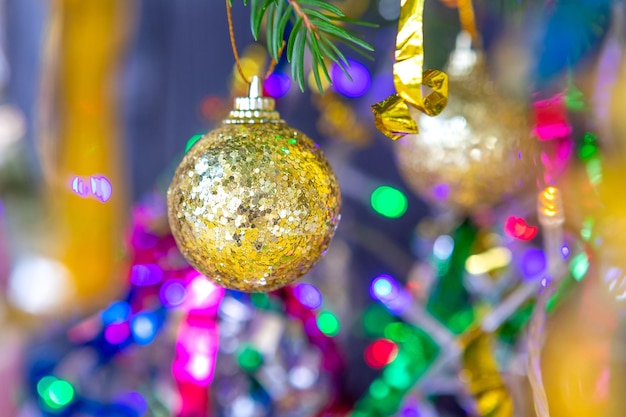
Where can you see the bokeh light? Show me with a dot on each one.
(303, 377)
(490, 260)
(308, 295)
(380, 353)
(328, 323)
(144, 275)
(389, 202)
(518, 228)
(379, 390)
(172, 293)
(249, 358)
(260, 300)
(144, 328)
(398, 332)
(51, 278)
(116, 312)
(202, 293)
(375, 319)
(134, 401)
(99, 187)
(355, 87)
(388, 291)
(55, 393)
(117, 333)
(382, 287)
(397, 377)
(579, 266)
(277, 84)
(443, 247)
(533, 263)
(389, 9)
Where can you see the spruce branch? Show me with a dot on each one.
(317, 26)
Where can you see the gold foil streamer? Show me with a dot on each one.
(481, 375)
(393, 118)
(390, 115)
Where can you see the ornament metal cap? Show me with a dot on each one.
(255, 108)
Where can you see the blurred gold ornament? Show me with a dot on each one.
(254, 204)
(478, 150)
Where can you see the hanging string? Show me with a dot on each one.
(272, 66)
(233, 43)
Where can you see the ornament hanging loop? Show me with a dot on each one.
(233, 42)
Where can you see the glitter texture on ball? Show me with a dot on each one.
(254, 204)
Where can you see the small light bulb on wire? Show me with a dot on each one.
(550, 207)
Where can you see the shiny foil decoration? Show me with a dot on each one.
(392, 116)
(477, 151)
(254, 204)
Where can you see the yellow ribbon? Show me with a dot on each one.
(88, 146)
(392, 116)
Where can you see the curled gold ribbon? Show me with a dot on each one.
(392, 116)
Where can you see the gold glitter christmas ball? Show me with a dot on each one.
(478, 151)
(254, 204)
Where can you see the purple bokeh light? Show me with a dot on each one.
(388, 291)
(172, 293)
(134, 401)
(308, 295)
(441, 191)
(277, 85)
(533, 263)
(145, 274)
(358, 86)
(117, 333)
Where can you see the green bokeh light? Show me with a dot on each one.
(379, 390)
(587, 230)
(579, 266)
(397, 377)
(389, 202)
(328, 323)
(260, 300)
(375, 320)
(594, 170)
(398, 332)
(44, 384)
(192, 141)
(249, 358)
(55, 393)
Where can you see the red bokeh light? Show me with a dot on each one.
(380, 353)
(518, 228)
